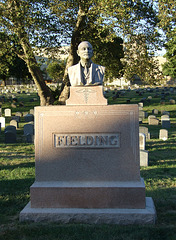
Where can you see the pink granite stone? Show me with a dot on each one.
(87, 157)
(89, 95)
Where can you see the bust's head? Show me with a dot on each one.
(85, 51)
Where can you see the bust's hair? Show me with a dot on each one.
(83, 43)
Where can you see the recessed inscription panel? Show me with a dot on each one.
(87, 140)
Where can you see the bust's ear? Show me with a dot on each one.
(77, 52)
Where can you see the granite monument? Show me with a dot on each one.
(87, 158)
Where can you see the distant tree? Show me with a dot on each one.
(166, 15)
(169, 67)
(10, 64)
(108, 54)
(19, 70)
(167, 22)
(55, 69)
(139, 61)
(27, 23)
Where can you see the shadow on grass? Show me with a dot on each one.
(88, 232)
(14, 195)
(16, 186)
(158, 174)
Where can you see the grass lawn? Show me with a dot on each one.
(17, 173)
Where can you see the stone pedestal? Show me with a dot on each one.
(87, 163)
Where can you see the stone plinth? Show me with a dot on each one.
(89, 95)
(87, 164)
(94, 216)
(88, 194)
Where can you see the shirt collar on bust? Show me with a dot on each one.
(87, 65)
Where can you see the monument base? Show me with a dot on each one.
(91, 216)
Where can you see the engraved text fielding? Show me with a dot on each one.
(106, 140)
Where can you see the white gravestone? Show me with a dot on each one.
(142, 139)
(7, 112)
(2, 121)
(163, 134)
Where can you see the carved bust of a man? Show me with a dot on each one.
(86, 72)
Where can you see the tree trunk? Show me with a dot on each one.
(73, 57)
(44, 92)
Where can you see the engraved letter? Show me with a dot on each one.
(81, 141)
(89, 140)
(73, 140)
(61, 140)
(103, 140)
(112, 140)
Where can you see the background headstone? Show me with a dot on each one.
(2, 121)
(166, 124)
(29, 117)
(31, 111)
(162, 102)
(155, 111)
(10, 129)
(152, 120)
(14, 123)
(17, 118)
(13, 105)
(165, 121)
(7, 112)
(142, 139)
(165, 113)
(10, 134)
(25, 113)
(30, 138)
(141, 104)
(143, 158)
(172, 101)
(18, 114)
(142, 114)
(163, 134)
(145, 131)
(29, 129)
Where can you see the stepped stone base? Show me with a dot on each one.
(88, 194)
(91, 216)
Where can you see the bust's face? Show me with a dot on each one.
(85, 51)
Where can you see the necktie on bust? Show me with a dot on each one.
(85, 70)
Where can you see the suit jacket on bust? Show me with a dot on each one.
(96, 74)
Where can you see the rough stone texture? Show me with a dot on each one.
(91, 216)
(86, 96)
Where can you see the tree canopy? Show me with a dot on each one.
(51, 23)
(55, 69)
(167, 17)
(169, 67)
